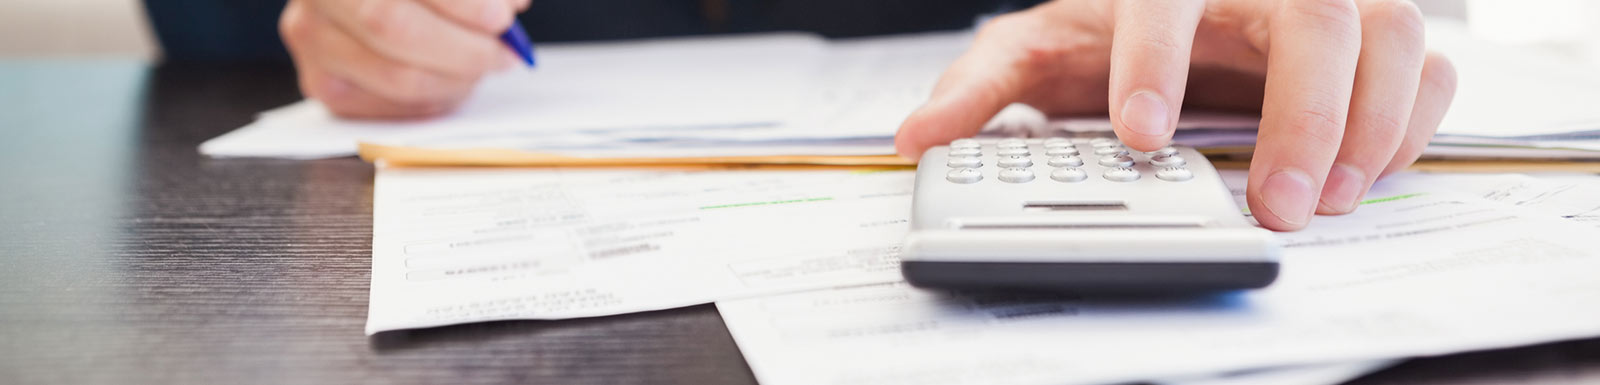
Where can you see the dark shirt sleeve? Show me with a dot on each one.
(217, 30)
(246, 30)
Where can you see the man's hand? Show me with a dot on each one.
(1346, 89)
(396, 58)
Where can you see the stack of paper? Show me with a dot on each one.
(802, 267)
(770, 94)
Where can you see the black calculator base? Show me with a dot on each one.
(1140, 277)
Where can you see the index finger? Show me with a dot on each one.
(412, 33)
(1312, 67)
(1150, 67)
(487, 16)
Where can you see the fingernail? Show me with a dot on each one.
(494, 14)
(1342, 191)
(1146, 114)
(1288, 196)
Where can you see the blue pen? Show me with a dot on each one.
(517, 39)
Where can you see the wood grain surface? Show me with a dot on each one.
(125, 257)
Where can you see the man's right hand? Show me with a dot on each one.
(396, 58)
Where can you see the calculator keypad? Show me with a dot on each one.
(1014, 161)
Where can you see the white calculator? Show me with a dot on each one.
(1079, 214)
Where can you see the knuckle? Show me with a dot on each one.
(1396, 19)
(382, 19)
(294, 26)
(1340, 15)
(1379, 120)
(1320, 123)
(1159, 41)
(1042, 53)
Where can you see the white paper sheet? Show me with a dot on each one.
(1327, 374)
(467, 245)
(762, 87)
(1510, 91)
(1425, 267)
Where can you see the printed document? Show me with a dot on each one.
(468, 245)
(1428, 265)
(792, 91)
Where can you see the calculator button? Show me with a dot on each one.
(1061, 151)
(1103, 142)
(1057, 142)
(965, 153)
(1164, 151)
(1118, 150)
(965, 162)
(1011, 143)
(1174, 174)
(965, 143)
(1117, 161)
(1015, 161)
(1122, 174)
(1016, 175)
(1065, 161)
(1069, 175)
(1168, 161)
(1014, 152)
(964, 175)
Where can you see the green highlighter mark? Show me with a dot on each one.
(1373, 200)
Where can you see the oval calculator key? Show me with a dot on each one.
(1164, 151)
(1117, 161)
(1167, 161)
(1014, 152)
(1069, 175)
(1015, 161)
(1060, 151)
(1103, 219)
(1110, 150)
(1174, 174)
(971, 152)
(1065, 161)
(965, 143)
(965, 162)
(964, 175)
(1016, 175)
(1122, 174)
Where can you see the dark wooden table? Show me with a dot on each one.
(125, 257)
